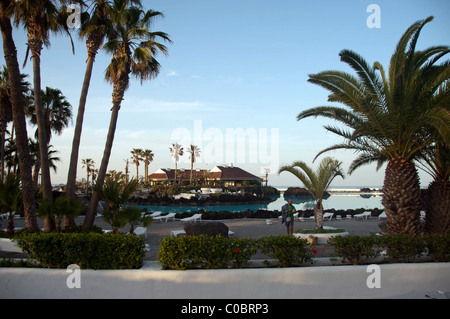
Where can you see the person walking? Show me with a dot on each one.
(287, 218)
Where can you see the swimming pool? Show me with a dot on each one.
(334, 201)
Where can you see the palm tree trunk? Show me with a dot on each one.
(437, 206)
(19, 121)
(90, 216)
(318, 214)
(401, 197)
(146, 173)
(35, 48)
(72, 175)
(192, 166)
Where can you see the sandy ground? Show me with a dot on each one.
(247, 227)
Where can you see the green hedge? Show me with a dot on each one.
(220, 252)
(87, 250)
(289, 250)
(397, 247)
(355, 248)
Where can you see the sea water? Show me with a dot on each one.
(337, 200)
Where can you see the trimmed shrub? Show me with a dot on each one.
(438, 246)
(355, 248)
(87, 250)
(402, 247)
(289, 250)
(205, 252)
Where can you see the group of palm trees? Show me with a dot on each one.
(146, 156)
(122, 28)
(57, 113)
(177, 151)
(399, 116)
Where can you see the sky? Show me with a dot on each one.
(233, 83)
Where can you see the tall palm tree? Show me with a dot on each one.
(93, 28)
(88, 163)
(147, 156)
(194, 151)
(388, 115)
(18, 114)
(316, 182)
(57, 112)
(40, 18)
(176, 150)
(436, 162)
(6, 109)
(136, 157)
(127, 162)
(133, 47)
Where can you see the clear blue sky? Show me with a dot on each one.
(234, 64)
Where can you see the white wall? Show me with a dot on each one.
(397, 281)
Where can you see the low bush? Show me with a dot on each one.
(355, 249)
(402, 247)
(438, 246)
(289, 250)
(87, 250)
(398, 247)
(187, 252)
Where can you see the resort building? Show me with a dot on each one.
(228, 174)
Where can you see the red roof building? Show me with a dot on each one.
(231, 176)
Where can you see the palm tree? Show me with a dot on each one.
(126, 169)
(6, 109)
(88, 163)
(93, 28)
(57, 113)
(176, 150)
(147, 158)
(18, 114)
(316, 182)
(136, 156)
(40, 18)
(115, 192)
(133, 47)
(388, 117)
(436, 162)
(194, 151)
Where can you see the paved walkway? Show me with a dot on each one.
(247, 227)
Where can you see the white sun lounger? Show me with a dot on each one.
(364, 215)
(155, 214)
(165, 218)
(193, 218)
(141, 231)
(382, 216)
(328, 215)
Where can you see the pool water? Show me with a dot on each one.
(334, 201)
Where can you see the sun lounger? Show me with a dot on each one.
(141, 231)
(364, 215)
(382, 216)
(193, 218)
(165, 218)
(175, 233)
(155, 214)
(328, 215)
